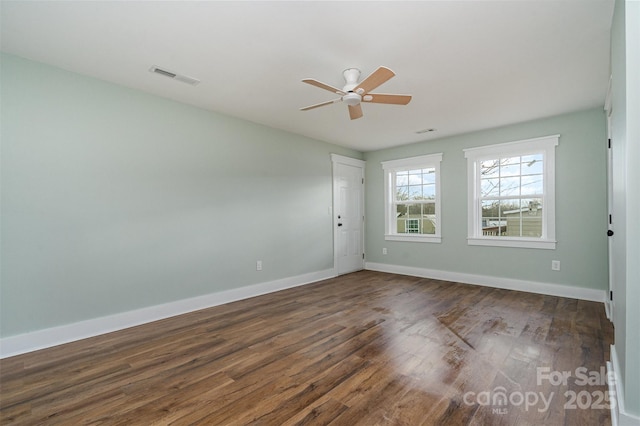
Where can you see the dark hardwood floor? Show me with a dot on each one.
(362, 349)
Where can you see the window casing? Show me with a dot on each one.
(511, 194)
(412, 199)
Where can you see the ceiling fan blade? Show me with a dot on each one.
(355, 111)
(383, 98)
(320, 104)
(378, 77)
(324, 86)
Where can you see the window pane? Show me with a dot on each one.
(402, 193)
(532, 185)
(532, 206)
(531, 217)
(489, 187)
(416, 184)
(510, 160)
(428, 225)
(509, 186)
(429, 176)
(415, 177)
(492, 223)
(416, 218)
(509, 207)
(512, 212)
(429, 192)
(489, 168)
(402, 178)
(429, 208)
(414, 210)
(510, 170)
(532, 164)
(415, 192)
(523, 219)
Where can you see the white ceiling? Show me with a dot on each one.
(469, 65)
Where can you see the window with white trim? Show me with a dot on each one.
(412, 198)
(511, 194)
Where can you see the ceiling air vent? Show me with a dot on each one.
(183, 78)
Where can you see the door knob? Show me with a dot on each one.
(339, 224)
(609, 233)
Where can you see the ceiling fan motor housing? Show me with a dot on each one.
(351, 77)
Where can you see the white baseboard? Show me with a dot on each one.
(613, 396)
(496, 282)
(28, 342)
(619, 416)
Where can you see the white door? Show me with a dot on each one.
(348, 214)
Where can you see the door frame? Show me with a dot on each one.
(609, 302)
(354, 162)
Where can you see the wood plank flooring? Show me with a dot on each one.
(366, 348)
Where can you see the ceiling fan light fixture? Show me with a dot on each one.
(352, 99)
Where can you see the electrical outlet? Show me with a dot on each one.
(384, 250)
(259, 265)
(555, 265)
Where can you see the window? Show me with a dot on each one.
(412, 198)
(512, 194)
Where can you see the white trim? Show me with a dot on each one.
(507, 148)
(414, 238)
(607, 98)
(407, 163)
(613, 396)
(495, 282)
(337, 158)
(512, 242)
(619, 415)
(41, 339)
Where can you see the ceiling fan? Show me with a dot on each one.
(353, 92)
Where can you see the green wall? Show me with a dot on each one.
(114, 200)
(581, 207)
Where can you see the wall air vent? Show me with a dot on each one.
(183, 78)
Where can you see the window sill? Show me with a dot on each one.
(513, 242)
(413, 238)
